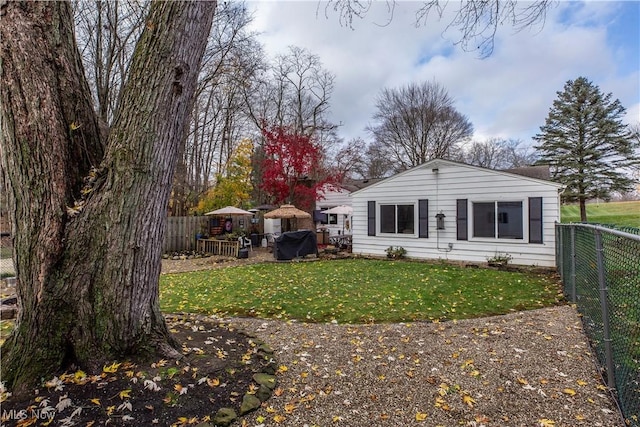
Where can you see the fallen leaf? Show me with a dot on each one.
(569, 391)
(421, 416)
(113, 368)
(443, 389)
(95, 401)
(79, 376)
(468, 400)
(125, 394)
(180, 389)
(544, 422)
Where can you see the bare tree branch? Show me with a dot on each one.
(477, 21)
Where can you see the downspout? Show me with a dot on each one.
(449, 247)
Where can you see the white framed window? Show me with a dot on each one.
(397, 218)
(327, 219)
(498, 220)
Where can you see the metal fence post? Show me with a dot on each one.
(574, 297)
(604, 304)
(559, 251)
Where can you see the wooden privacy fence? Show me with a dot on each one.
(182, 231)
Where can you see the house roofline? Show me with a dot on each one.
(434, 162)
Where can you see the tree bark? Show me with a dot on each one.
(88, 219)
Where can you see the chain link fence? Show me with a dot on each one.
(600, 271)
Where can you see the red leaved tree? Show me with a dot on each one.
(292, 170)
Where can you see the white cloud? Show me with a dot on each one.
(506, 95)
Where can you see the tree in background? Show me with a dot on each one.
(349, 159)
(106, 33)
(586, 144)
(88, 214)
(233, 189)
(293, 92)
(292, 168)
(218, 121)
(417, 123)
(496, 153)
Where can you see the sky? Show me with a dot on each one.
(507, 95)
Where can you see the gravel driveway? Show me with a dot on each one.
(530, 368)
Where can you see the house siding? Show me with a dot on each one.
(335, 196)
(451, 182)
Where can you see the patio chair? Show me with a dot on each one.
(271, 240)
(245, 242)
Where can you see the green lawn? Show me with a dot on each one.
(626, 214)
(356, 291)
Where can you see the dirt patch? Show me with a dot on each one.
(212, 262)
(218, 370)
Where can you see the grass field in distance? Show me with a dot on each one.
(626, 214)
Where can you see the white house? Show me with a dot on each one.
(334, 196)
(448, 210)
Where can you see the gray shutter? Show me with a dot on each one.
(371, 218)
(535, 219)
(461, 219)
(423, 218)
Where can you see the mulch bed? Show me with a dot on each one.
(218, 370)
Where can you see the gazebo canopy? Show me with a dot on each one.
(287, 212)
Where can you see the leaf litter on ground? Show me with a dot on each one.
(141, 392)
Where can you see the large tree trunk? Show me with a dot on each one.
(88, 222)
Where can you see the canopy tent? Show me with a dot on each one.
(287, 212)
(340, 210)
(229, 210)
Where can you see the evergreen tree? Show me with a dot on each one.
(586, 144)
